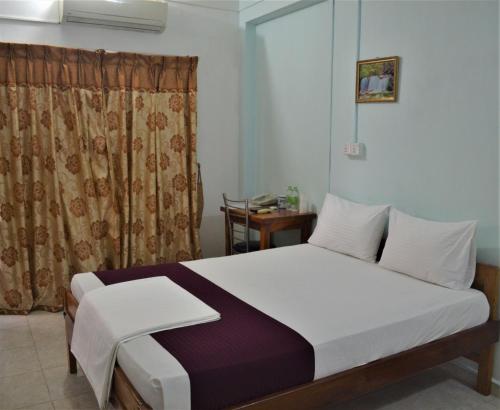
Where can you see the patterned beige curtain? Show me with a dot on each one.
(97, 167)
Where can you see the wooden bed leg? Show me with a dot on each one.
(69, 334)
(71, 360)
(68, 324)
(485, 370)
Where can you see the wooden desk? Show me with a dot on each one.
(266, 224)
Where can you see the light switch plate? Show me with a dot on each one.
(353, 149)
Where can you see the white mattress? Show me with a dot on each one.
(352, 312)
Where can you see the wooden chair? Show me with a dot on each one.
(237, 219)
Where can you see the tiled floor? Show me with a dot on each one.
(33, 375)
(33, 372)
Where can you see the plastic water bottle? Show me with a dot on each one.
(292, 198)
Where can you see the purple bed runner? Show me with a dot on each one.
(243, 356)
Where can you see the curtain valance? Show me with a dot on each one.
(41, 65)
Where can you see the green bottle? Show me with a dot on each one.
(292, 198)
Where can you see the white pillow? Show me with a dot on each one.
(437, 252)
(350, 228)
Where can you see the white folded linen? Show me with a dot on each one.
(112, 315)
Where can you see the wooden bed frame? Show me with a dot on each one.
(477, 344)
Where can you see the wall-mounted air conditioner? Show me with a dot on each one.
(142, 15)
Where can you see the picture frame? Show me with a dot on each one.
(377, 80)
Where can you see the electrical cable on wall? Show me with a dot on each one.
(330, 146)
(358, 52)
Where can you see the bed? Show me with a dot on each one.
(368, 326)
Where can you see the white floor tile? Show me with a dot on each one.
(62, 384)
(85, 401)
(18, 361)
(23, 390)
(16, 337)
(12, 321)
(41, 406)
(51, 354)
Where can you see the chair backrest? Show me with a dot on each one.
(237, 215)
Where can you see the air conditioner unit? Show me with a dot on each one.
(141, 15)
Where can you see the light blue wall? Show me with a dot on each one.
(292, 111)
(266, 27)
(435, 153)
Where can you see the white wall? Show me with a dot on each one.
(32, 10)
(212, 35)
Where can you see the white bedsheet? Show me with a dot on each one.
(110, 316)
(352, 312)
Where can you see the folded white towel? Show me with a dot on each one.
(115, 314)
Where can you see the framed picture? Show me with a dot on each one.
(377, 80)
